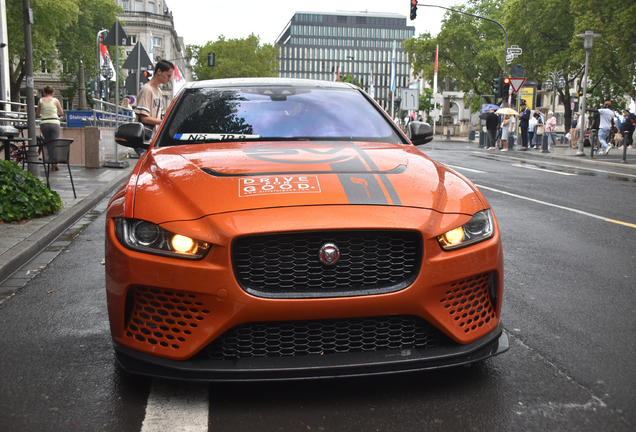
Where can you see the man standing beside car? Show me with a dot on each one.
(149, 107)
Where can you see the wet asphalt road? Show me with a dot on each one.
(569, 308)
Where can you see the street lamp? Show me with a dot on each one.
(588, 39)
(556, 80)
(471, 96)
(351, 57)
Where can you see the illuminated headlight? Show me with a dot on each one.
(143, 236)
(479, 228)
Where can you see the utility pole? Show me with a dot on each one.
(32, 154)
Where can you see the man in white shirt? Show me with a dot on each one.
(606, 115)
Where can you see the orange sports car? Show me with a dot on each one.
(284, 229)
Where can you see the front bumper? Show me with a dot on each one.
(314, 366)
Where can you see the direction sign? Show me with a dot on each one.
(514, 49)
(516, 83)
(410, 99)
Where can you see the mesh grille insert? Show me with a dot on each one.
(321, 337)
(468, 302)
(288, 265)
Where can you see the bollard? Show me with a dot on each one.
(482, 138)
(448, 134)
(471, 135)
(544, 143)
(624, 160)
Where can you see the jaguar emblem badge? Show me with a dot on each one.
(329, 254)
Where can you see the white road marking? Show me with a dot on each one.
(465, 169)
(603, 218)
(533, 167)
(176, 407)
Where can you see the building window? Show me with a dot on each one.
(139, 6)
(126, 5)
(156, 42)
(151, 7)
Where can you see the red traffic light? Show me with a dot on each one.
(414, 3)
(148, 74)
(506, 80)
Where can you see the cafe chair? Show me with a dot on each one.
(56, 151)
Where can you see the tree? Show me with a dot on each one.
(426, 101)
(51, 18)
(471, 50)
(612, 56)
(236, 58)
(347, 78)
(545, 36)
(95, 15)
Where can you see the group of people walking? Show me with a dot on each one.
(604, 124)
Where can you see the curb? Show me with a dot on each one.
(23, 252)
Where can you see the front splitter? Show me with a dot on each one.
(314, 366)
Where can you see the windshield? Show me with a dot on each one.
(275, 112)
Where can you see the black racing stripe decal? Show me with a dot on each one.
(359, 184)
(397, 170)
(385, 180)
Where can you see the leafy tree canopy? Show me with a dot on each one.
(63, 30)
(236, 58)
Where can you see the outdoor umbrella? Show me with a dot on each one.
(508, 111)
(489, 107)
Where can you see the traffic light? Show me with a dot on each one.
(102, 36)
(148, 74)
(210, 59)
(505, 89)
(496, 86)
(413, 9)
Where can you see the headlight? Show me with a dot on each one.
(143, 236)
(480, 227)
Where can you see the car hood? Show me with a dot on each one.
(192, 181)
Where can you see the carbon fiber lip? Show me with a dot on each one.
(328, 366)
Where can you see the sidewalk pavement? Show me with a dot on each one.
(21, 241)
(560, 152)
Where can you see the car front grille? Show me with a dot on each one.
(322, 337)
(288, 265)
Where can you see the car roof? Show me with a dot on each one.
(277, 82)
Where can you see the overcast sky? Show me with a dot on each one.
(200, 21)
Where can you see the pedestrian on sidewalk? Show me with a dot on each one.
(492, 124)
(505, 132)
(573, 140)
(532, 125)
(606, 118)
(51, 110)
(627, 127)
(539, 130)
(550, 129)
(524, 123)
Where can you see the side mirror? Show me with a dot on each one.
(420, 132)
(131, 135)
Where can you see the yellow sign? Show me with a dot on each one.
(527, 93)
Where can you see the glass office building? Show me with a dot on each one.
(321, 45)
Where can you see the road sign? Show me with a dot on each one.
(410, 99)
(514, 49)
(516, 83)
(517, 71)
(123, 39)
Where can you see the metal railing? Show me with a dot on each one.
(18, 116)
(108, 114)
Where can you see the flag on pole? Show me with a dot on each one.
(435, 75)
(338, 69)
(105, 60)
(151, 55)
(371, 87)
(178, 81)
(393, 68)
